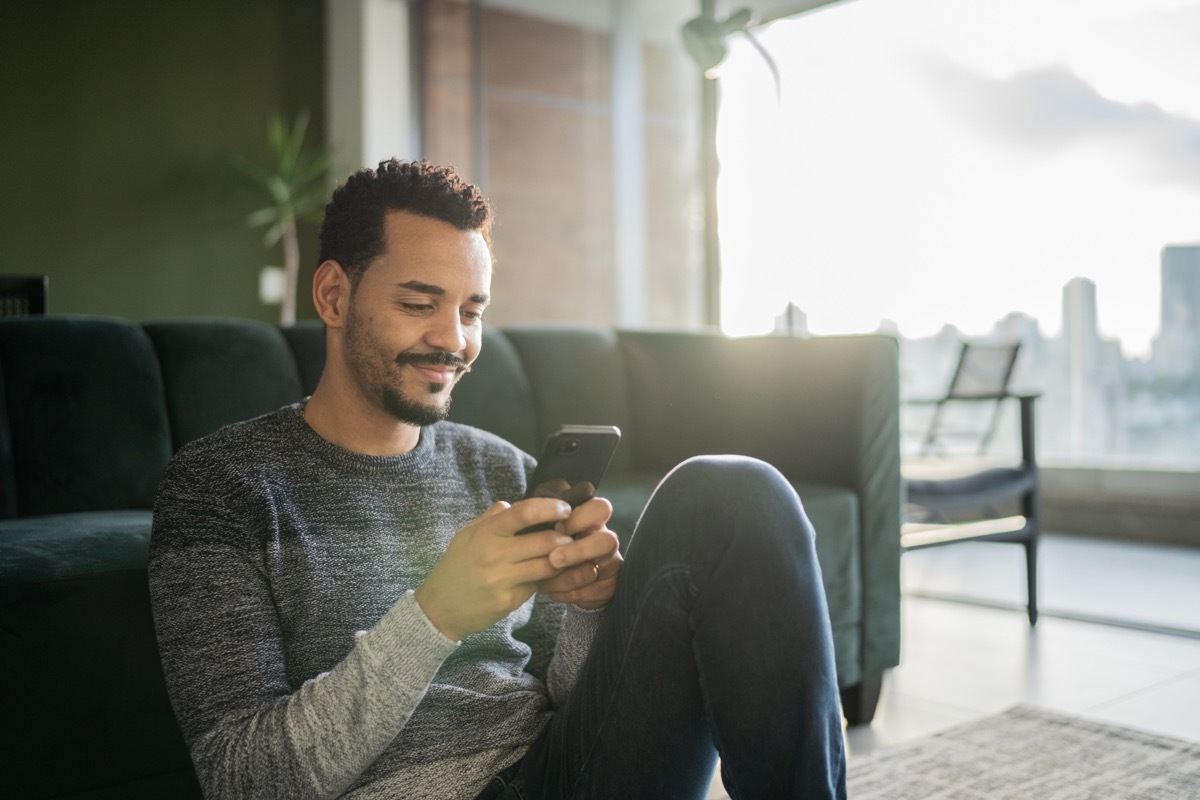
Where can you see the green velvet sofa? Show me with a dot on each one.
(91, 409)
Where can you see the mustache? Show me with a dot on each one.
(433, 360)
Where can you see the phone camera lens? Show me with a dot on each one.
(570, 445)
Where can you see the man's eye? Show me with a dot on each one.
(417, 308)
(473, 316)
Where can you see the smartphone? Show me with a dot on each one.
(573, 462)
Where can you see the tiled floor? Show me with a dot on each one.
(965, 660)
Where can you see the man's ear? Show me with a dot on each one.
(331, 293)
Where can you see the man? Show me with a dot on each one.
(343, 608)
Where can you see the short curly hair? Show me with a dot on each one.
(352, 230)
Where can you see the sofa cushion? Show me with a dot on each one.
(833, 512)
(8, 470)
(62, 546)
(86, 414)
(80, 663)
(219, 371)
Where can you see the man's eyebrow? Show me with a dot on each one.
(429, 288)
(422, 287)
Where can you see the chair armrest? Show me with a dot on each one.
(993, 396)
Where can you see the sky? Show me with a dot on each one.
(951, 161)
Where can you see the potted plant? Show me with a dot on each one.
(294, 179)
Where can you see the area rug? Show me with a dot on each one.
(1031, 754)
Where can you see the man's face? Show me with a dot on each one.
(415, 319)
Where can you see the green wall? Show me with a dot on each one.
(118, 121)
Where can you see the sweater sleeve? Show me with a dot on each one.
(571, 650)
(221, 644)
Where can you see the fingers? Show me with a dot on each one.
(573, 578)
(486, 572)
(593, 544)
(592, 515)
(531, 512)
(586, 585)
(590, 564)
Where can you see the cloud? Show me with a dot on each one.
(1049, 111)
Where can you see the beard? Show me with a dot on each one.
(381, 377)
(411, 411)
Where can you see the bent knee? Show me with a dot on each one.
(723, 495)
(732, 483)
(728, 472)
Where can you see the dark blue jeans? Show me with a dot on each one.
(717, 641)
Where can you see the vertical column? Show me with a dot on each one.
(709, 169)
(629, 167)
(370, 83)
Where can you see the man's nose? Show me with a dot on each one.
(446, 332)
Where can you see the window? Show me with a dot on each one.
(940, 169)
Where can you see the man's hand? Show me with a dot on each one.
(487, 571)
(589, 562)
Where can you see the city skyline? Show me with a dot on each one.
(1185, 322)
(1096, 405)
(1081, 292)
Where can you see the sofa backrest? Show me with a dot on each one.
(306, 338)
(96, 406)
(218, 371)
(577, 378)
(86, 419)
(706, 393)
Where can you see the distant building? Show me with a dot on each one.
(1176, 351)
(1081, 340)
(792, 322)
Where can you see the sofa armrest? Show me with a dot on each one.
(822, 410)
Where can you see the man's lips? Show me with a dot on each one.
(437, 374)
(435, 368)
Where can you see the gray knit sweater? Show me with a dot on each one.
(298, 663)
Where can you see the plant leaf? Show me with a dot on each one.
(263, 216)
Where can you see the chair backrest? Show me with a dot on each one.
(982, 374)
(983, 369)
(23, 295)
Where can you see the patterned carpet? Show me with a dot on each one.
(1026, 753)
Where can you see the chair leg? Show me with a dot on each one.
(859, 700)
(1031, 579)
